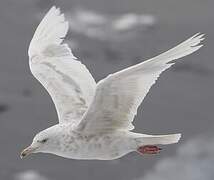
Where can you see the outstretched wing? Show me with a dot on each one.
(118, 96)
(66, 79)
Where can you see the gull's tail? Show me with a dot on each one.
(157, 139)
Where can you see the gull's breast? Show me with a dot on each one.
(99, 146)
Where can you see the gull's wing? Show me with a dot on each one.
(118, 96)
(66, 79)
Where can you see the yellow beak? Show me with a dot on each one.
(27, 151)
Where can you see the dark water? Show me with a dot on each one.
(181, 101)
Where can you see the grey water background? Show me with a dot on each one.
(181, 101)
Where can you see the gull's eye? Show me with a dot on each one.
(43, 141)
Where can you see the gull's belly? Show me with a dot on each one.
(102, 147)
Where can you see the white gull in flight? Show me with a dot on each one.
(95, 120)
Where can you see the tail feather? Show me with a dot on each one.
(158, 139)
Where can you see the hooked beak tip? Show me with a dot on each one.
(27, 152)
(22, 155)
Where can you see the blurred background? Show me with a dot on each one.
(108, 36)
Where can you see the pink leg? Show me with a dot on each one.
(149, 149)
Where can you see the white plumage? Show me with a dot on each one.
(67, 80)
(94, 119)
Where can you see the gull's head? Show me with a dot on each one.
(45, 141)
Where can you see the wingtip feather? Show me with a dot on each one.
(197, 38)
(52, 30)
